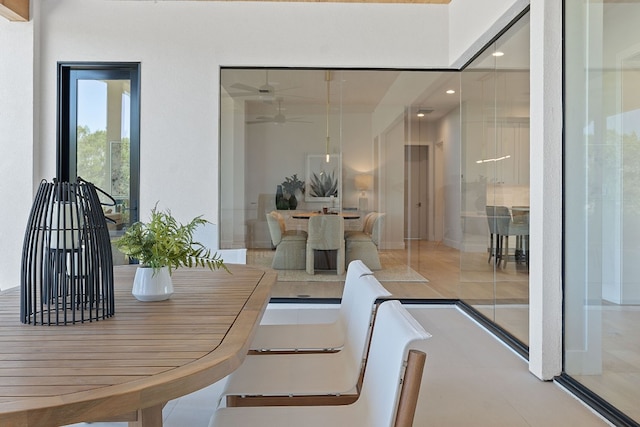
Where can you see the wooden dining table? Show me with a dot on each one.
(126, 368)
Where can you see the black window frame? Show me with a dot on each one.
(66, 141)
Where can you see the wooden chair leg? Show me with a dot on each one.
(410, 389)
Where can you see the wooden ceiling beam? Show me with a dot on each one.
(15, 10)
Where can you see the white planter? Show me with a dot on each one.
(152, 287)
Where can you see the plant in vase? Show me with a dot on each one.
(291, 186)
(163, 245)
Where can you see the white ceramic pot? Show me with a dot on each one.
(152, 287)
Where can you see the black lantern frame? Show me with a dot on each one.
(67, 265)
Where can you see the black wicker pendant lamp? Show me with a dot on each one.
(67, 266)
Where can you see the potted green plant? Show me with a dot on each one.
(291, 186)
(161, 246)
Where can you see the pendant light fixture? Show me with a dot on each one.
(327, 77)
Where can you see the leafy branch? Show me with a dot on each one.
(292, 183)
(163, 242)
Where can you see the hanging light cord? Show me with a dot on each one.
(328, 79)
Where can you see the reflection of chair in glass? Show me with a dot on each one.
(326, 233)
(290, 245)
(363, 244)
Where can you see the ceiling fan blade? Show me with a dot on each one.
(255, 122)
(240, 95)
(243, 86)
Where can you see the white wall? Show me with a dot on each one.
(472, 24)
(276, 152)
(180, 60)
(16, 143)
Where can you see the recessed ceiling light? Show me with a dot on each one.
(498, 53)
(451, 91)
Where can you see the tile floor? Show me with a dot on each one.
(471, 379)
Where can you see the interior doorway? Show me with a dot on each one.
(416, 190)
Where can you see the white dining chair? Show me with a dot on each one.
(390, 386)
(290, 377)
(329, 336)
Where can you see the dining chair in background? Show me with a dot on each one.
(326, 233)
(363, 244)
(498, 218)
(502, 225)
(519, 227)
(290, 244)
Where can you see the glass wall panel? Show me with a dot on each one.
(103, 148)
(277, 127)
(602, 200)
(494, 263)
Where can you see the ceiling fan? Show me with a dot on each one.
(278, 119)
(267, 92)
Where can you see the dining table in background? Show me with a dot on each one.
(126, 368)
(307, 215)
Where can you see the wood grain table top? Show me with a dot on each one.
(129, 365)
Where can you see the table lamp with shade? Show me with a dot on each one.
(364, 183)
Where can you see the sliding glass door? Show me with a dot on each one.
(494, 259)
(602, 203)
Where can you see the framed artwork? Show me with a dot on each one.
(323, 178)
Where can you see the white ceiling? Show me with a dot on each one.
(304, 91)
